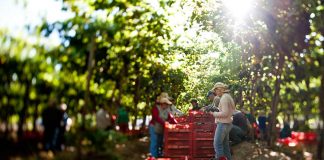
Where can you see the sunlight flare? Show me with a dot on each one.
(238, 8)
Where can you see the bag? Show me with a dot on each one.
(158, 128)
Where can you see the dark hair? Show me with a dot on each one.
(209, 93)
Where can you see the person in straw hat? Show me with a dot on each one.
(224, 121)
(160, 114)
(174, 110)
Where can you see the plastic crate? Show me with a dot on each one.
(177, 131)
(198, 144)
(176, 158)
(185, 158)
(203, 135)
(201, 126)
(199, 116)
(177, 127)
(203, 148)
(177, 136)
(177, 152)
(311, 136)
(177, 143)
(201, 158)
(182, 119)
(207, 152)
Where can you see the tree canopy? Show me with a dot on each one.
(125, 53)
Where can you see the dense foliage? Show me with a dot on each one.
(124, 53)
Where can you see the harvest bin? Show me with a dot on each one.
(192, 138)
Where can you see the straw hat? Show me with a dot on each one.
(162, 95)
(221, 85)
(165, 101)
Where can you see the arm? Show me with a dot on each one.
(171, 119)
(177, 111)
(156, 117)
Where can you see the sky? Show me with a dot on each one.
(15, 14)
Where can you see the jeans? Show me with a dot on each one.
(221, 140)
(156, 141)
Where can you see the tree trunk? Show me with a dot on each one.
(136, 97)
(320, 147)
(6, 121)
(272, 130)
(252, 111)
(308, 103)
(35, 116)
(144, 121)
(91, 62)
(145, 111)
(240, 100)
(22, 114)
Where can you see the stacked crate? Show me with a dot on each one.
(203, 129)
(191, 138)
(177, 140)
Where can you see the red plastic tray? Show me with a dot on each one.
(203, 126)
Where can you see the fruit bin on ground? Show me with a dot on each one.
(191, 138)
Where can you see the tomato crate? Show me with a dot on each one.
(172, 146)
(201, 158)
(182, 119)
(177, 131)
(177, 136)
(177, 127)
(203, 152)
(199, 116)
(198, 144)
(177, 152)
(176, 158)
(184, 158)
(203, 135)
(177, 143)
(210, 126)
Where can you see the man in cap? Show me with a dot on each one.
(224, 121)
(194, 104)
(213, 107)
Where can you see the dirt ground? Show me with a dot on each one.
(139, 148)
(250, 151)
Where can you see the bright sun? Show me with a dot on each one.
(238, 8)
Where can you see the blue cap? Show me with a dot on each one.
(209, 93)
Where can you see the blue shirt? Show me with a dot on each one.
(262, 122)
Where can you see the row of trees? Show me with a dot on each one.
(111, 54)
(278, 65)
(125, 53)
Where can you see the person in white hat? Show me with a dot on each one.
(224, 121)
(174, 110)
(160, 114)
